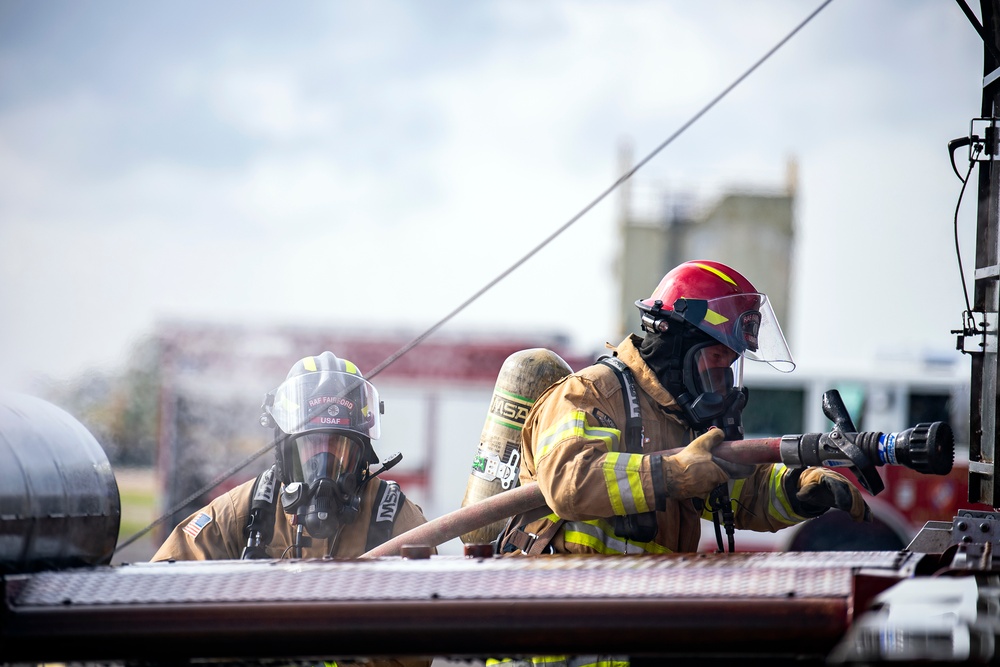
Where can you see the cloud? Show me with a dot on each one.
(256, 161)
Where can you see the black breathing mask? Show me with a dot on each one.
(704, 376)
(714, 396)
(326, 473)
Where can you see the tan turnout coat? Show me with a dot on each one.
(573, 446)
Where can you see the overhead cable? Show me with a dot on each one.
(624, 177)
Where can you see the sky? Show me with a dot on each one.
(377, 164)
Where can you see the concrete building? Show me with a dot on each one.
(753, 231)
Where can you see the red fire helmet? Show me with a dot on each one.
(721, 302)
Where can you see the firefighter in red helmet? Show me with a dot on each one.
(714, 310)
(322, 496)
(596, 441)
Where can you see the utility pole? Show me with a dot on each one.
(979, 337)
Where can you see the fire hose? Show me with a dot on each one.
(927, 448)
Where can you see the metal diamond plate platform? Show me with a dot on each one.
(442, 605)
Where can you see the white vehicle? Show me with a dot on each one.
(888, 399)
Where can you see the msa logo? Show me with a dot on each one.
(265, 489)
(633, 401)
(509, 409)
(389, 504)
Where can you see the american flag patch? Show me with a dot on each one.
(195, 525)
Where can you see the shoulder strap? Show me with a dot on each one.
(633, 417)
(514, 536)
(640, 527)
(263, 502)
(388, 500)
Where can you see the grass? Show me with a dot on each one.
(138, 492)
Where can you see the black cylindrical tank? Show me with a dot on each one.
(59, 502)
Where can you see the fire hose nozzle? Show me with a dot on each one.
(926, 448)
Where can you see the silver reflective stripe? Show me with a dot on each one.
(599, 536)
(565, 661)
(575, 426)
(583, 661)
(599, 661)
(624, 483)
(780, 507)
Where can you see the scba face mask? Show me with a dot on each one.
(326, 477)
(714, 394)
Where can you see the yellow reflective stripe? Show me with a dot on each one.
(714, 270)
(596, 543)
(309, 363)
(611, 481)
(582, 661)
(735, 489)
(600, 536)
(575, 426)
(566, 661)
(622, 475)
(713, 317)
(780, 508)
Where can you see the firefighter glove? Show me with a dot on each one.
(820, 489)
(692, 473)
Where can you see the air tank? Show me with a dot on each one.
(523, 377)
(59, 502)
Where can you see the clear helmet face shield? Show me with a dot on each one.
(745, 323)
(325, 400)
(328, 419)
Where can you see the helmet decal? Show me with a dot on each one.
(715, 318)
(749, 327)
(715, 299)
(327, 394)
(715, 271)
(335, 401)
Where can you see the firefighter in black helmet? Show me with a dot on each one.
(320, 498)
